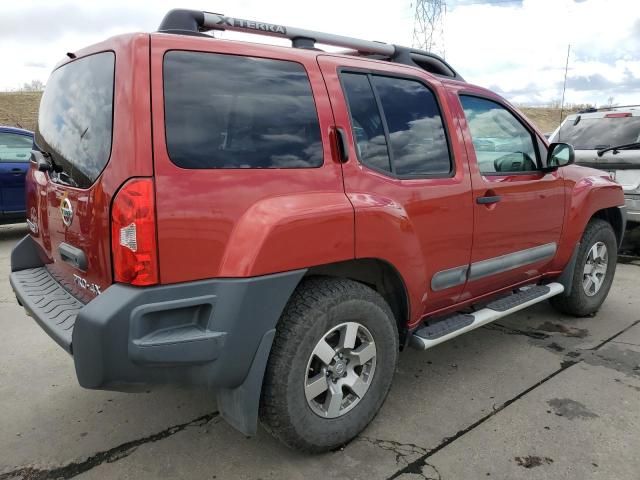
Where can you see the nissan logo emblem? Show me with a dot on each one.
(67, 212)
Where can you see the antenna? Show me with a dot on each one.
(564, 88)
(428, 26)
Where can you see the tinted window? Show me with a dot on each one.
(15, 148)
(76, 117)
(366, 121)
(501, 142)
(417, 136)
(597, 133)
(224, 111)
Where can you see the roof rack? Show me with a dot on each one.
(193, 22)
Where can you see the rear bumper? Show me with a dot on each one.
(202, 333)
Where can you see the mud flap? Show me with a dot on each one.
(239, 406)
(566, 277)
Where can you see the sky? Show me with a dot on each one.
(517, 48)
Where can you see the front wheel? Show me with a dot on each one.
(331, 365)
(594, 271)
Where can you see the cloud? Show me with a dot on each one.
(521, 50)
(599, 82)
(517, 47)
(46, 22)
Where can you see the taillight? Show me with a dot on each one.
(133, 233)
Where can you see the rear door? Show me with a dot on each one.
(93, 121)
(406, 176)
(15, 151)
(518, 209)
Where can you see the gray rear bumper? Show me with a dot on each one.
(213, 333)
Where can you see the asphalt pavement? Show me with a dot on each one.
(536, 396)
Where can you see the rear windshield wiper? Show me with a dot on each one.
(615, 148)
(45, 162)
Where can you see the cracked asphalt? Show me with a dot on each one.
(536, 396)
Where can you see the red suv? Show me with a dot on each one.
(278, 223)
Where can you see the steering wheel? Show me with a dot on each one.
(514, 162)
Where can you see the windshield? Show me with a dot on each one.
(14, 147)
(598, 133)
(75, 119)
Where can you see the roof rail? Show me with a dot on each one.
(192, 22)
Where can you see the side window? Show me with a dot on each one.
(416, 133)
(15, 148)
(501, 142)
(228, 111)
(366, 121)
(397, 125)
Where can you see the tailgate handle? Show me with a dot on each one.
(73, 255)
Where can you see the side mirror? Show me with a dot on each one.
(560, 155)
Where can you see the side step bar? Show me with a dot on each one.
(459, 323)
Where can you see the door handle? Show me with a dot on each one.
(343, 147)
(17, 170)
(488, 200)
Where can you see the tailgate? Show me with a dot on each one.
(94, 126)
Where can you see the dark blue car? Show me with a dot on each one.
(15, 152)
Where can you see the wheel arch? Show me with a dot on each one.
(616, 218)
(378, 274)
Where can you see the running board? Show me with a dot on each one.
(459, 323)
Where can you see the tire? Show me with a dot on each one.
(321, 305)
(577, 302)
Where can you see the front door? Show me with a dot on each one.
(518, 209)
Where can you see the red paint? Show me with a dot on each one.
(241, 223)
(130, 157)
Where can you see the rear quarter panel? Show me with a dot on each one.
(247, 222)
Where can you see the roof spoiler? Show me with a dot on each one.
(193, 22)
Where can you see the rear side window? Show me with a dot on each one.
(227, 111)
(76, 117)
(397, 125)
(14, 147)
(366, 122)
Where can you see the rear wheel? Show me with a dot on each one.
(594, 271)
(331, 364)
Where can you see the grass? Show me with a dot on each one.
(546, 119)
(20, 109)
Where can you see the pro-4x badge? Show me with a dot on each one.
(66, 211)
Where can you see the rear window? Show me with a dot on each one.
(76, 117)
(15, 147)
(597, 133)
(227, 111)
